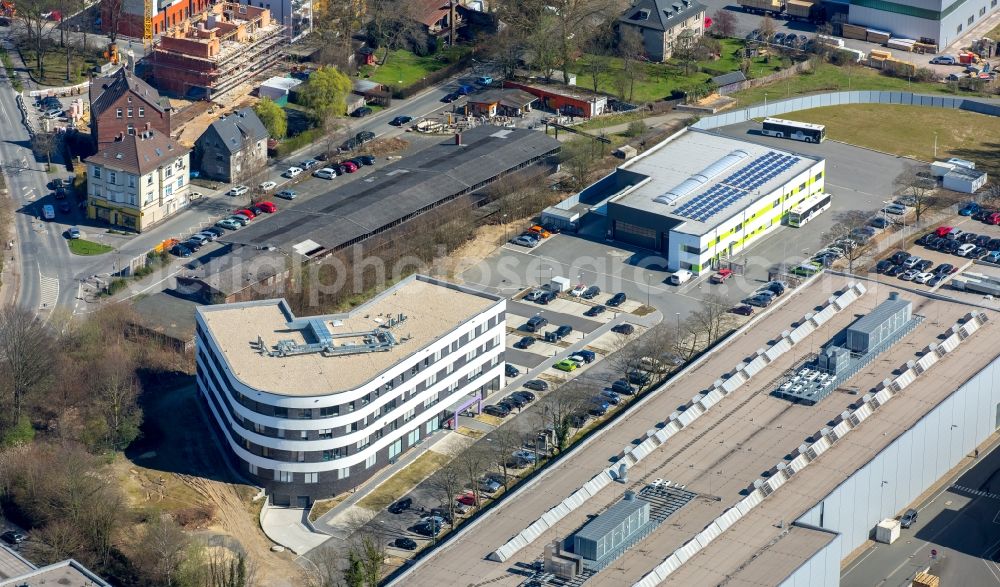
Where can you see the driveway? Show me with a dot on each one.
(288, 527)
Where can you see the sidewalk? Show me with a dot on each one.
(290, 528)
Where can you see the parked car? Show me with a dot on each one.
(13, 537)
(238, 190)
(879, 223)
(594, 310)
(515, 400)
(524, 241)
(404, 543)
(922, 278)
(361, 112)
(895, 209)
(944, 60)
(180, 250)
(286, 194)
(965, 249)
(72, 233)
(563, 330)
(292, 172)
(510, 370)
(535, 323)
(539, 231)
(525, 455)
(638, 377)
(611, 397)
(267, 207)
(240, 219)
(489, 486)
(566, 365)
(496, 411)
(622, 387)
(968, 209)
(347, 167)
(742, 310)
(228, 223)
(428, 529)
(625, 329)
(908, 275)
(591, 292)
(909, 518)
(587, 356)
(451, 97)
(401, 506)
(617, 300)
(578, 290)
(325, 173)
(246, 212)
(537, 385)
(367, 159)
(944, 269)
(524, 343)
(527, 395)
(882, 266)
(400, 120)
(721, 275)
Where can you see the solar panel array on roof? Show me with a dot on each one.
(748, 178)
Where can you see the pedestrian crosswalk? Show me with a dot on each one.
(976, 492)
(49, 287)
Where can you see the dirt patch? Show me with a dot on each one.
(177, 468)
(470, 432)
(490, 420)
(192, 121)
(483, 244)
(382, 147)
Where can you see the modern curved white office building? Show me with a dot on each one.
(311, 407)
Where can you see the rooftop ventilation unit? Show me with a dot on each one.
(330, 344)
(696, 181)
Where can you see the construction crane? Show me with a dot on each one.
(147, 24)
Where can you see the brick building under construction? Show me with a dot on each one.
(215, 51)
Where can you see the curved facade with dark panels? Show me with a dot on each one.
(321, 418)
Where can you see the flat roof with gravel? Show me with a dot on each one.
(432, 309)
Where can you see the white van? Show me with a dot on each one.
(680, 276)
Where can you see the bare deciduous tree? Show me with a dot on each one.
(474, 462)
(723, 23)
(25, 360)
(161, 551)
(916, 182)
(631, 51)
(502, 443)
(563, 406)
(844, 227)
(446, 483)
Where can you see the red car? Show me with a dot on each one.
(994, 218)
(721, 275)
(246, 213)
(467, 498)
(268, 207)
(349, 166)
(942, 230)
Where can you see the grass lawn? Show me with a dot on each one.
(658, 80)
(85, 247)
(831, 78)
(403, 68)
(404, 480)
(909, 130)
(54, 65)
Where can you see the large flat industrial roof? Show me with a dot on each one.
(725, 450)
(432, 309)
(403, 188)
(703, 179)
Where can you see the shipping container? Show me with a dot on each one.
(762, 6)
(800, 9)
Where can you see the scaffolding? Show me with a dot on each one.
(216, 51)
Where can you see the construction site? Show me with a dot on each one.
(216, 51)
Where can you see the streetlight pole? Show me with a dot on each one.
(935, 145)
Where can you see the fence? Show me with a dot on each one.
(763, 81)
(980, 106)
(433, 78)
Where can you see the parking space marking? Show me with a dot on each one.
(996, 518)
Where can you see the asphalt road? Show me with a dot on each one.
(961, 523)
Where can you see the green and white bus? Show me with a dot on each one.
(810, 208)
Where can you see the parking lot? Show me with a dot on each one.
(961, 264)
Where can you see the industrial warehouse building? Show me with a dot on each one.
(940, 22)
(314, 406)
(698, 198)
(786, 502)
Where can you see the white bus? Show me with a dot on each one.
(789, 129)
(810, 208)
